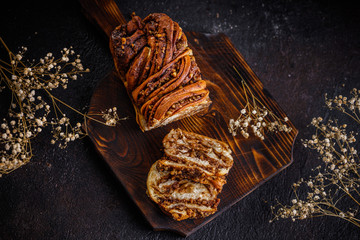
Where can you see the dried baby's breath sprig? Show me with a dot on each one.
(350, 106)
(255, 117)
(337, 180)
(110, 116)
(30, 83)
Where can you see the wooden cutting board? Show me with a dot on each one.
(130, 152)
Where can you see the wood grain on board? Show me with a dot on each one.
(130, 152)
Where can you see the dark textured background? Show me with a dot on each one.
(300, 50)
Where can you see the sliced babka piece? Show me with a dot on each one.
(185, 183)
(193, 149)
(179, 196)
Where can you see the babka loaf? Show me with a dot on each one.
(158, 70)
(185, 183)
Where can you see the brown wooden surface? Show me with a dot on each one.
(129, 152)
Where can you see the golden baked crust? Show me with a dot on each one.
(185, 183)
(158, 70)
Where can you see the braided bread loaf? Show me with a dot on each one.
(158, 70)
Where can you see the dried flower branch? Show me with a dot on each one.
(349, 106)
(256, 117)
(338, 179)
(29, 82)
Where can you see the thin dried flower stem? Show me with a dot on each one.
(55, 99)
(255, 116)
(337, 179)
(29, 113)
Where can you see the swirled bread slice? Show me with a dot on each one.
(158, 70)
(209, 154)
(179, 196)
(185, 183)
